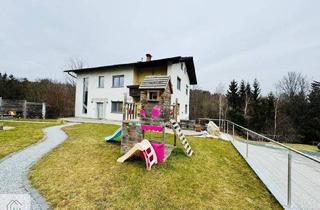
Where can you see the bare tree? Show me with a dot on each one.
(290, 106)
(220, 90)
(276, 107)
(73, 64)
(246, 105)
(292, 84)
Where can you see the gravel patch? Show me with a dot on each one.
(14, 168)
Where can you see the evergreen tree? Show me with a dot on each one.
(234, 112)
(243, 102)
(256, 121)
(313, 115)
(248, 89)
(242, 93)
(267, 113)
(256, 90)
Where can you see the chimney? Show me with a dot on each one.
(148, 57)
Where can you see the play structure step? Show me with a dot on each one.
(144, 146)
(183, 140)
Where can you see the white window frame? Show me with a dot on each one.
(100, 81)
(119, 108)
(117, 85)
(178, 83)
(153, 91)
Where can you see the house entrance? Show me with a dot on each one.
(100, 111)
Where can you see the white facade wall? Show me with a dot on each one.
(108, 94)
(174, 71)
(105, 95)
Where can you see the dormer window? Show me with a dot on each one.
(153, 95)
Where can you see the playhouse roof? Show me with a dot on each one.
(156, 82)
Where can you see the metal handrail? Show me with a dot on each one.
(271, 140)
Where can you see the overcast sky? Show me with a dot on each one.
(228, 39)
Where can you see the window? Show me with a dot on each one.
(118, 81)
(101, 82)
(85, 96)
(187, 89)
(116, 106)
(178, 83)
(186, 109)
(153, 95)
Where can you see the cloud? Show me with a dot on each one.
(229, 39)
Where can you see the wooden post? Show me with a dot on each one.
(1, 114)
(25, 109)
(163, 132)
(124, 107)
(227, 127)
(177, 110)
(43, 110)
(175, 113)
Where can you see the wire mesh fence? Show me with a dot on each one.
(292, 176)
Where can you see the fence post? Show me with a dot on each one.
(25, 109)
(247, 145)
(289, 180)
(1, 114)
(224, 126)
(227, 127)
(43, 110)
(232, 131)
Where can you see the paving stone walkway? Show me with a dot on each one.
(14, 168)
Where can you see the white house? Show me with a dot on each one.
(100, 90)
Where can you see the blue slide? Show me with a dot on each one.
(116, 134)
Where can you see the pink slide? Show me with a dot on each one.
(147, 151)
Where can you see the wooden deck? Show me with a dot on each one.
(168, 148)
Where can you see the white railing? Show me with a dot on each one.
(293, 177)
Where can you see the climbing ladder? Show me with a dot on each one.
(183, 140)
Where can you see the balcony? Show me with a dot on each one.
(134, 91)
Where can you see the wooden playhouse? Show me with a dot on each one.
(150, 112)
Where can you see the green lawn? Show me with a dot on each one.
(306, 147)
(21, 136)
(82, 173)
(32, 120)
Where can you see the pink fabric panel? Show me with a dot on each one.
(143, 113)
(159, 149)
(155, 112)
(153, 128)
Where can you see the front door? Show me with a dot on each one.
(100, 113)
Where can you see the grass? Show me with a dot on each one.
(23, 135)
(33, 120)
(305, 147)
(82, 173)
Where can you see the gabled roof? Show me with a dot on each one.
(156, 83)
(165, 61)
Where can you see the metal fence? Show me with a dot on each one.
(291, 176)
